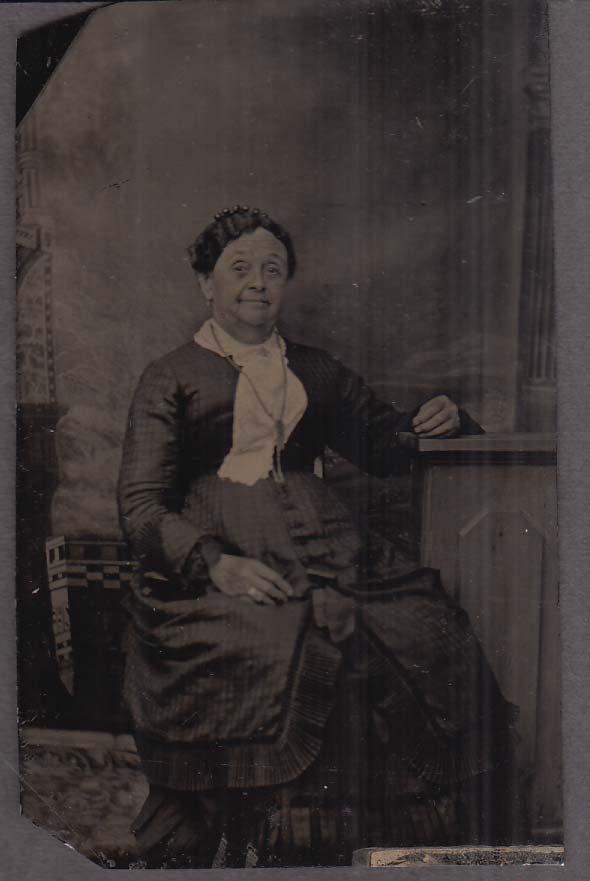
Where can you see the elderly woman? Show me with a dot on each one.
(287, 687)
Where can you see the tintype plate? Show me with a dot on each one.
(271, 614)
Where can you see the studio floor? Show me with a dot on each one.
(85, 788)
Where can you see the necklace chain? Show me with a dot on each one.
(278, 423)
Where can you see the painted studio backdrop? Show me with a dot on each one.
(405, 146)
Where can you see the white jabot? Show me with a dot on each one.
(263, 366)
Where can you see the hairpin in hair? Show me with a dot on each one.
(238, 209)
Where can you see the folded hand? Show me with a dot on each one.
(249, 580)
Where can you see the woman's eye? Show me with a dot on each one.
(273, 270)
(240, 267)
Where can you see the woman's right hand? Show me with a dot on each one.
(249, 580)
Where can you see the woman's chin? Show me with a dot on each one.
(249, 328)
(259, 318)
(255, 313)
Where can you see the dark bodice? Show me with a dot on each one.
(180, 429)
(197, 389)
(204, 387)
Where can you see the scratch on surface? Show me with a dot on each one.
(470, 83)
(117, 184)
(63, 822)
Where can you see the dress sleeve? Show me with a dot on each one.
(149, 494)
(365, 430)
(371, 433)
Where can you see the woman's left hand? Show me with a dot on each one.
(438, 417)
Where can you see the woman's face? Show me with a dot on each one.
(246, 287)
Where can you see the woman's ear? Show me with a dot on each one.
(206, 285)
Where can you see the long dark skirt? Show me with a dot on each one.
(354, 715)
(362, 790)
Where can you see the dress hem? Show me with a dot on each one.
(195, 768)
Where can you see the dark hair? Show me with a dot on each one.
(229, 225)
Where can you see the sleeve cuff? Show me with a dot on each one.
(204, 554)
(468, 425)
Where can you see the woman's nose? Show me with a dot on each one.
(256, 280)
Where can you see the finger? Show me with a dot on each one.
(257, 595)
(448, 427)
(428, 409)
(266, 589)
(269, 574)
(433, 422)
(269, 590)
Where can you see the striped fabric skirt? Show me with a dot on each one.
(351, 715)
